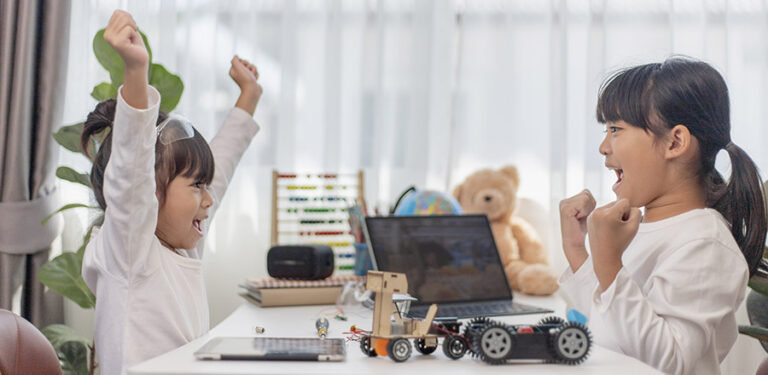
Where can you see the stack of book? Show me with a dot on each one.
(275, 292)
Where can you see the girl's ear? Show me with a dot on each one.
(679, 141)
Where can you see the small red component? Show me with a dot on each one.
(525, 330)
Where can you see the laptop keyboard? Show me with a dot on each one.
(475, 309)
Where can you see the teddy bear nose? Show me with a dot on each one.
(488, 198)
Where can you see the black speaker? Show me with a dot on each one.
(301, 262)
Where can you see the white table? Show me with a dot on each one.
(300, 322)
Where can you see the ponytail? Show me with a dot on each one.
(742, 203)
(97, 122)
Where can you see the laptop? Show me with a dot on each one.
(273, 348)
(449, 260)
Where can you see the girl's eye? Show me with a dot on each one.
(201, 185)
(611, 129)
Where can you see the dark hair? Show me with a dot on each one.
(656, 97)
(190, 157)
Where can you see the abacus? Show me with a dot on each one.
(311, 208)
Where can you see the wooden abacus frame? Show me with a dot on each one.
(315, 207)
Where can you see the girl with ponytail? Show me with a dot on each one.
(153, 175)
(663, 284)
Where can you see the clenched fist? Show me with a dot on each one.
(246, 76)
(123, 35)
(611, 228)
(573, 226)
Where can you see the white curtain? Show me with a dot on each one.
(421, 93)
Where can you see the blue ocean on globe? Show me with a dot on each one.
(427, 202)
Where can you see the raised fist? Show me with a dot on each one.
(123, 35)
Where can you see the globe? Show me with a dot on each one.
(426, 202)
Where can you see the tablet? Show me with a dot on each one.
(273, 348)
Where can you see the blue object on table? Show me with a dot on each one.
(574, 315)
(363, 261)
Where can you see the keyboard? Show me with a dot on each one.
(475, 309)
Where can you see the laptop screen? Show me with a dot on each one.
(446, 258)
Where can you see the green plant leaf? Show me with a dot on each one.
(62, 274)
(168, 84)
(74, 358)
(756, 332)
(66, 207)
(71, 348)
(81, 250)
(69, 137)
(104, 91)
(58, 334)
(69, 174)
(146, 44)
(759, 284)
(759, 281)
(110, 60)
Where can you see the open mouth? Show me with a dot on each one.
(619, 178)
(198, 225)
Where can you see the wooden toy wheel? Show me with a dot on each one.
(399, 349)
(365, 346)
(454, 347)
(421, 346)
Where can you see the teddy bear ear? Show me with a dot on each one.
(457, 192)
(511, 172)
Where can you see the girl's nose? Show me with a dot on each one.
(604, 147)
(207, 199)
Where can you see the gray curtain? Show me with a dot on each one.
(34, 35)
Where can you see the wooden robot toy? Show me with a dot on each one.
(552, 340)
(392, 331)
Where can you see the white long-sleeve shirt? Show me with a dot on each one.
(149, 300)
(673, 303)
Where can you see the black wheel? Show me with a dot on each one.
(552, 320)
(421, 346)
(365, 346)
(471, 330)
(571, 343)
(399, 349)
(493, 343)
(454, 347)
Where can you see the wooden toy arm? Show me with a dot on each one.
(427, 322)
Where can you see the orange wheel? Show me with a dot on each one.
(381, 346)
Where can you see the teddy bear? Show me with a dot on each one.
(494, 193)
